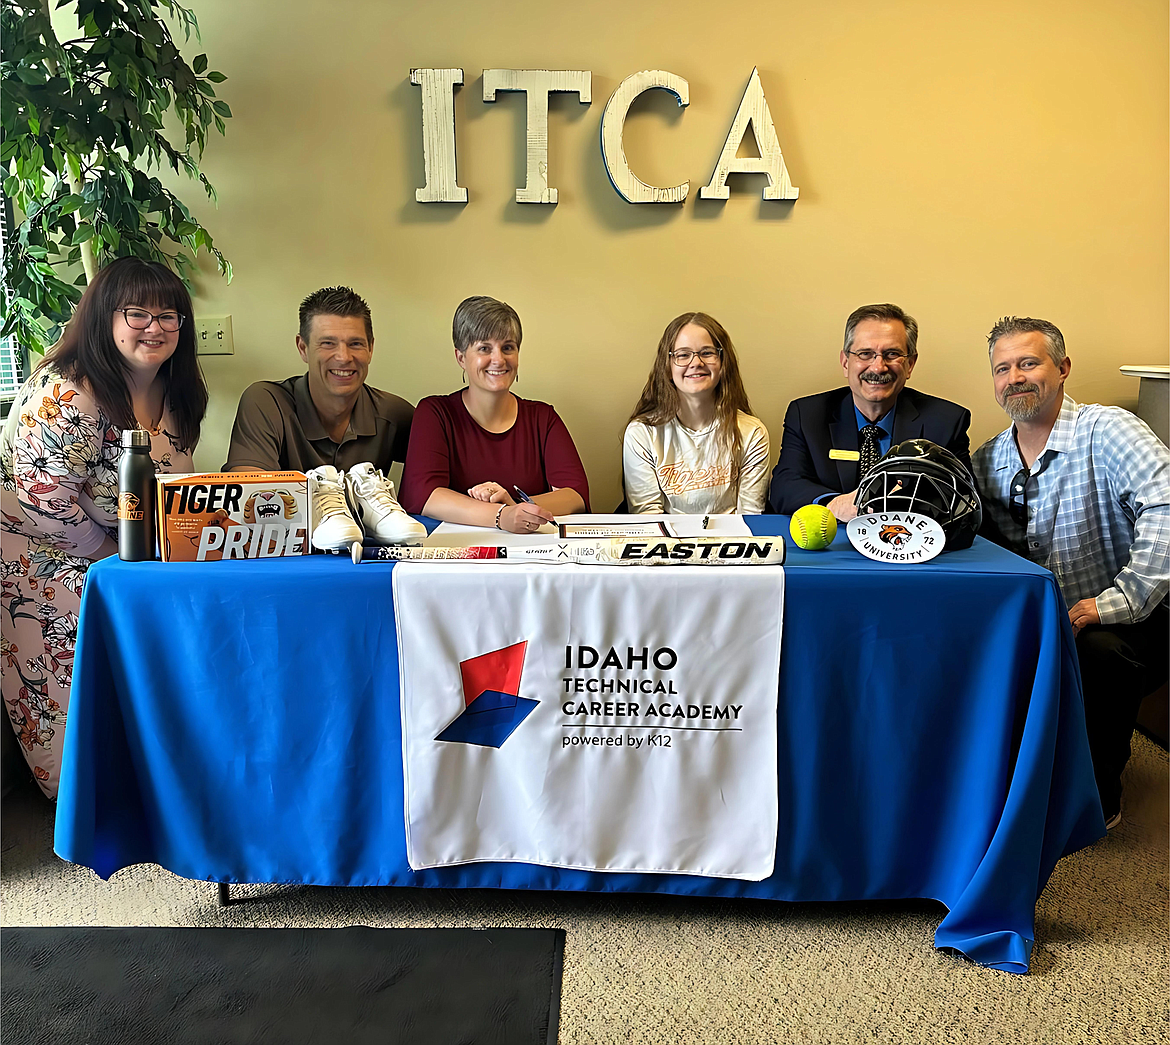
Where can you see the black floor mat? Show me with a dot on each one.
(69, 984)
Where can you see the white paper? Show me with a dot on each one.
(458, 535)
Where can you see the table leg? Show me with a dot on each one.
(224, 895)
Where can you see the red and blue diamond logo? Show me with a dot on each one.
(494, 709)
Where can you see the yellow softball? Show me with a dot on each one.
(813, 527)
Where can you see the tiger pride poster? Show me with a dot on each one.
(209, 516)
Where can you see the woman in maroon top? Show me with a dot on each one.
(471, 451)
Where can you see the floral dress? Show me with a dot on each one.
(59, 469)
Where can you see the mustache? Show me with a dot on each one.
(1024, 388)
(886, 377)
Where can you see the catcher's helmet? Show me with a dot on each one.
(920, 476)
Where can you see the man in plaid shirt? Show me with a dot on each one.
(1084, 490)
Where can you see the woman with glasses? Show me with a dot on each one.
(483, 456)
(126, 360)
(692, 445)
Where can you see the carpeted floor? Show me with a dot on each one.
(661, 969)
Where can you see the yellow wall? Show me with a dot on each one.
(964, 159)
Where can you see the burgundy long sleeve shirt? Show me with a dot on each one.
(448, 448)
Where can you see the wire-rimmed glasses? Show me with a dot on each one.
(683, 356)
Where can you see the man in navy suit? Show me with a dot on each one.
(832, 438)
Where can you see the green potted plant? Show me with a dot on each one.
(84, 122)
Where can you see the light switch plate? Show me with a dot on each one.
(213, 336)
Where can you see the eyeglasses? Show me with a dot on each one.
(683, 356)
(140, 319)
(1018, 502)
(891, 356)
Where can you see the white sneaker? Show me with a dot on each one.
(371, 495)
(334, 528)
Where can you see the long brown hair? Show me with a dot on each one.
(87, 351)
(659, 401)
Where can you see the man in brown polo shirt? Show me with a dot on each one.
(329, 415)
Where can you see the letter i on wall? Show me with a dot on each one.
(438, 109)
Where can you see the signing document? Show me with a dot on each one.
(457, 535)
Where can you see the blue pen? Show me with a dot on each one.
(523, 496)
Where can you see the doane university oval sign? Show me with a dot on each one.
(438, 129)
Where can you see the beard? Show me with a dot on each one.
(1021, 402)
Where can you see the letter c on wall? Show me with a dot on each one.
(613, 122)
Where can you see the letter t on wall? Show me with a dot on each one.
(537, 83)
(753, 109)
(438, 116)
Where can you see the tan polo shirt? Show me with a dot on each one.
(277, 428)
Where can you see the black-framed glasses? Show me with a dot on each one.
(140, 319)
(1018, 499)
(891, 356)
(683, 356)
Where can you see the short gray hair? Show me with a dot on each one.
(484, 319)
(887, 313)
(1008, 326)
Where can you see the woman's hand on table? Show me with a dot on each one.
(493, 493)
(524, 517)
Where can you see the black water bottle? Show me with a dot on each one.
(136, 497)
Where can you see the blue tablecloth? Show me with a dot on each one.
(239, 722)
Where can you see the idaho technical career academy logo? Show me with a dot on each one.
(494, 710)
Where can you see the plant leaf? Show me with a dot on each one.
(82, 126)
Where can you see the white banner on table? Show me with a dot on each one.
(586, 717)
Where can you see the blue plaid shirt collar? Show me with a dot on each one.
(1060, 441)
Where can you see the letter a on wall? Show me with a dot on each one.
(753, 110)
